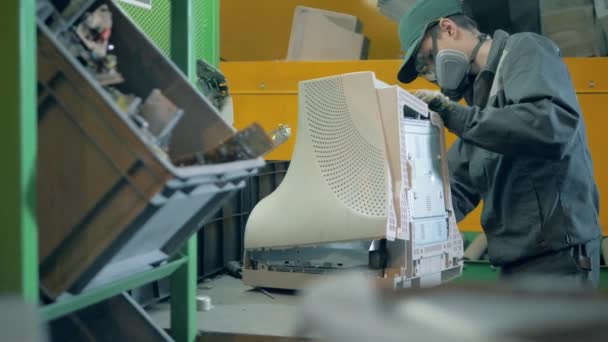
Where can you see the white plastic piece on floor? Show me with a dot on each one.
(203, 303)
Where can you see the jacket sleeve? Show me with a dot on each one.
(541, 115)
(464, 196)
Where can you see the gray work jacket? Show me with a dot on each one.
(523, 150)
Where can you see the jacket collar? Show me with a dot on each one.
(499, 41)
(485, 79)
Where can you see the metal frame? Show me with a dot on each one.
(183, 282)
(72, 304)
(212, 38)
(19, 246)
(138, 4)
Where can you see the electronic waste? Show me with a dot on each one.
(367, 190)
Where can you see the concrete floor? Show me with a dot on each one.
(239, 309)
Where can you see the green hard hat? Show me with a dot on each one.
(413, 25)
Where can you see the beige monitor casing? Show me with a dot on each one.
(324, 35)
(350, 180)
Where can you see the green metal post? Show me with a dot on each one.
(183, 281)
(18, 246)
(182, 33)
(183, 297)
(211, 31)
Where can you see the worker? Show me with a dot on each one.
(522, 144)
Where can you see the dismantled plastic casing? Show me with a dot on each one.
(367, 190)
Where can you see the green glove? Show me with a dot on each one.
(454, 115)
(436, 100)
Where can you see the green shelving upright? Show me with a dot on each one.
(186, 30)
(19, 247)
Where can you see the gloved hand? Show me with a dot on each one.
(436, 100)
(453, 114)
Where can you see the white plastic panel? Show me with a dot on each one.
(351, 160)
(432, 231)
(424, 157)
(426, 189)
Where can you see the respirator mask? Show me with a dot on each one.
(452, 68)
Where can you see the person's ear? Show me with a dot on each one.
(448, 27)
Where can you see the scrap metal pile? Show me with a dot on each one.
(89, 40)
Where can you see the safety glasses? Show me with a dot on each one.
(425, 62)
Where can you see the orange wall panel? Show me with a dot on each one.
(266, 92)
